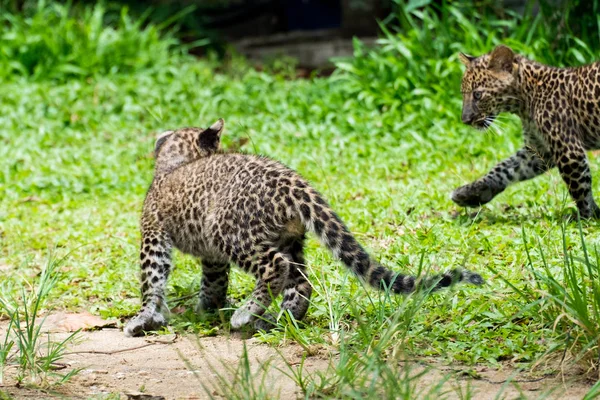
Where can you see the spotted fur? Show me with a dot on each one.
(250, 211)
(560, 113)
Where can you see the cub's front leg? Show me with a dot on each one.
(525, 164)
(155, 258)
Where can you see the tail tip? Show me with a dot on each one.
(472, 277)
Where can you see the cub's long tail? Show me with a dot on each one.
(318, 217)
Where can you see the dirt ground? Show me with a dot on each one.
(176, 367)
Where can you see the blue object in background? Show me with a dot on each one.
(312, 14)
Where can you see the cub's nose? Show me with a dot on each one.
(467, 117)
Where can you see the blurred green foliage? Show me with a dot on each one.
(55, 41)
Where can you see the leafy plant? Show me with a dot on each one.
(238, 382)
(5, 347)
(568, 298)
(54, 41)
(37, 359)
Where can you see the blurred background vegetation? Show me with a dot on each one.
(82, 38)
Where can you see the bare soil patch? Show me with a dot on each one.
(176, 367)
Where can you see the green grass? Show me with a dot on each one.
(381, 139)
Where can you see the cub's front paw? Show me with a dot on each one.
(473, 195)
(144, 322)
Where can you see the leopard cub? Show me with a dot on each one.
(250, 211)
(560, 113)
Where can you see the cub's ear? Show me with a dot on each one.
(501, 59)
(210, 138)
(465, 59)
(160, 140)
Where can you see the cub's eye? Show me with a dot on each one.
(477, 95)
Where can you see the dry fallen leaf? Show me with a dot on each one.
(164, 339)
(178, 310)
(30, 199)
(237, 144)
(65, 322)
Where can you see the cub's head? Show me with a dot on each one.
(182, 146)
(489, 86)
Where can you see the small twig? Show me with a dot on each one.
(187, 296)
(109, 352)
(515, 380)
(58, 366)
(482, 378)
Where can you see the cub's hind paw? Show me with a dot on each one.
(241, 317)
(209, 306)
(265, 323)
(144, 322)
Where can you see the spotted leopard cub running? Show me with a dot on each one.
(560, 113)
(250, 211)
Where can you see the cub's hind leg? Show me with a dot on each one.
(271, 270)
(297, 289)
(213, 289)
(297, 292)
(575, 171)
(569, 155)
(155, 258)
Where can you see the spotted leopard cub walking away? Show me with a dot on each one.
(250, 211)
(560, 113)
